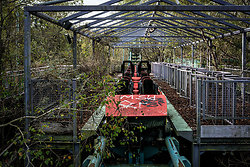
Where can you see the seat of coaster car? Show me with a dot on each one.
(143, 73)
(143, 68)
(124, 86)
(148, 86)
(128, 73)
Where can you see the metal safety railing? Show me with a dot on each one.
(224, 96)
(184, 78)
(225, 100)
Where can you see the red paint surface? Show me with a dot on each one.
(137, 105)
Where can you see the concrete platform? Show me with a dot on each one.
(93, 123)
(179, 124)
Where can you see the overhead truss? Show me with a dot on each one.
(152, 23)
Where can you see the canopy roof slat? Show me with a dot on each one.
(165, 22)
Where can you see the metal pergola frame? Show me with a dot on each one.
(131, 25)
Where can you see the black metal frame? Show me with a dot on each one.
(132, 24)
(156, 14)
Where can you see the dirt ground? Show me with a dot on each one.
(181, 104)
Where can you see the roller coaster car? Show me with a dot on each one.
(142, 103)
(137, 94)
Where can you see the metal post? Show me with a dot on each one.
(93, 49)
(181, 55)
(123, 54)
(234, 100)
(205, 96)
(244, 52)
(223, 98)
(185, 83)
(17, 29)
(210, 54)
(74, 50)
(216, 100)
(27, 77)
(201, 55)
(190, 88)
(130, 55)
(196, 146)
(110, 60)
(192, 55)
(174, 56)
(76, 145)
(243, 67)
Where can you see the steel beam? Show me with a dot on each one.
(243, 68)
(225, 147)
(219, 36)
(124, 24)
(137, 47)
(146, 3)
(54, 21)
(205, 15)
(191, 22)
(124, 30)
(181, 55)
(167, 36)
(161, 18)
(86, 12)
(74, 50)
(27, 76)
(192, 55)
(243, 54)
(210, 8)
(105, 12)
(141, 41)
(97, 22)
(221, 3)
(176, 24)
(76, 149)
(196, 155)
(141, 45)
(53, 2)
(181, 27)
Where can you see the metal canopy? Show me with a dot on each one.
(156, 22)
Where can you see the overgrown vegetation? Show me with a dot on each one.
(52, 60)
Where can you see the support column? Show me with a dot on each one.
(174, 55)
(123, 54)
(196, 145)
(192, 55)
(243, 54)
(210, 54)
(181, 55)
(74, 51)
(243, 67)
(76, 150)
(109, 60)
(196, 155)
(93, 49)
(27, 77)
(200, 55)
